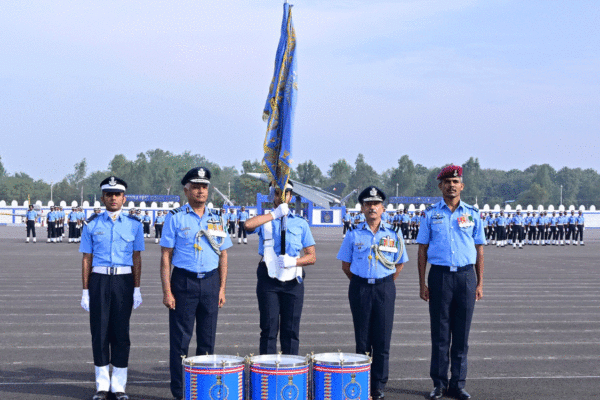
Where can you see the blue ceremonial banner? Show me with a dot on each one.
(281, 101)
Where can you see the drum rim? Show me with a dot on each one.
(266, 360)
(365, 361)
(210, 361)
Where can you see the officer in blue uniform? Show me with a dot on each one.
(518, 232)
(146, 220)
(501, 230)
(372, 256)
(451, 239)
(30, 217)
(580, 223)
(111, 268)
(158, 225)
(241, 219)
(346, 220)
(280, 287)
(195, 242)
(231, 221)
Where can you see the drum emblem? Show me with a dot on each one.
(219, 391)
(290, 391)
(352, 390)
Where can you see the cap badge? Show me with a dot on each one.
(455, 172)
(201, 173)
(112, 181)
(373, 192)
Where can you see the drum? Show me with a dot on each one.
(341, 376)
(213, 377)
(278, 377)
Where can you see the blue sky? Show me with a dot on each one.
(513, 83)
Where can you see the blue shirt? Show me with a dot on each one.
(356, 249)
(51, 216)
(347, 217)
(297, 237)
(146, 218)
(405, 218)
(31, 215)
(192, 251)
(243, 216)
(449, 243)
(159, 220)
(112, 243)
(501, 220)
(580, 220)
(572, 219)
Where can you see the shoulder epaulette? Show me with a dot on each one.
(429, 208)
(175, 210)
(133, 217)
(91, 218)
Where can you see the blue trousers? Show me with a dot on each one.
(196, 300)
(111, 302)
(451, 305)
(280, 305)
(372, 307)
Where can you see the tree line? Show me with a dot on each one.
(159, 172)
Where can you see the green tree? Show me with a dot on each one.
(402, 178)
(471, 179)
(309, 173)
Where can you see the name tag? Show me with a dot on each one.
(438, 221)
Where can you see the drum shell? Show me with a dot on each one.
(333, 381)
(211, 381)
(283, 382)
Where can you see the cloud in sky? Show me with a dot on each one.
(513, 83)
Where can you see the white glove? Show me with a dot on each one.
(85, 300)
(280, 211)
(286, 261)
(137, 297)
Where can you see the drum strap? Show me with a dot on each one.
(281, 274)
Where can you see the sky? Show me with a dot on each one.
(513, 83)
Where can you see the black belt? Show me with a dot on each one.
(447, 268)
(197, 275)
(373, 281)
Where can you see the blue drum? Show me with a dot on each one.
(213, 377)
(341, 376)
(279, 377)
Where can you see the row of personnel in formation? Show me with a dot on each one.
(56, 217)
(402, 222)
(534, 228)
(194, 264)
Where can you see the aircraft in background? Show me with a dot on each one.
(323, 197)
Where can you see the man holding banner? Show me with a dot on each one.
(279, 288)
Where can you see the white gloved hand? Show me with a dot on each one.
(85, 300)
(286, 261)
(137, 297)
(280, 211)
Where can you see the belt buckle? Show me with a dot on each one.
(201, 275)
(112, 270)
(371, 281)
(453, 269)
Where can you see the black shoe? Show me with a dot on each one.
(460, 394)
(121, 396)
(436, 393)
(101, 395)
(377, 394)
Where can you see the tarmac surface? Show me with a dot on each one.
(535, 334)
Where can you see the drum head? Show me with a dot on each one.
(281, 360)
(341, 359)
(213, 361)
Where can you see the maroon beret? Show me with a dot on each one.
(450, 171)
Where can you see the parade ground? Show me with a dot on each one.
(535, 334)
